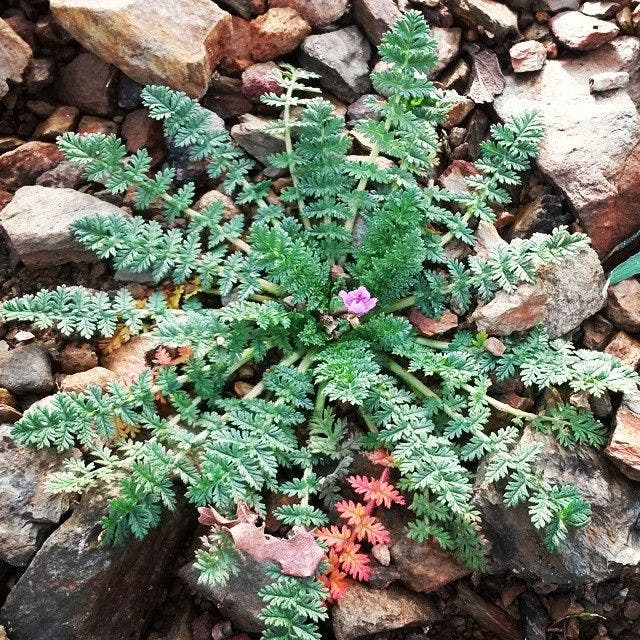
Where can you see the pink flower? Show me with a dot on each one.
(358, 301)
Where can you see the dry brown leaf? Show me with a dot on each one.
(487, 80)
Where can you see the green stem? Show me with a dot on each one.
(503, 406)
(398, 305)
(270, 287)
(435, 344)
(259, 388)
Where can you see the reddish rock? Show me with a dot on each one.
(238, 52)
(460, 108)
(625, 348)
(95, 377)
(623, 305)
(141, 132)
(130, 359)
(375, 17)
(24, 165)
(454, 176)
(230, 207)
(15, 55)
(62, 120)
(24, 28)
(90, 124)
(259, 79)
(597, 331)
(576, 30)
(66, 175)
(225, 97)
(5, 198)
(430, 326)
(88, 83)
(527, 56)
(76, 357)
(277, 32)
(318, 13)
(624, 445)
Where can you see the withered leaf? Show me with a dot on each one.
(487, 80)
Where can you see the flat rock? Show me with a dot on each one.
(26, 370)
(28, 511)
(44, 240)
(375, 17)
(623, 305)
(625, 348)
(318, 13)
(448, 45)
(62, 120)
(591, 555)
(362, 611)
(341, 58)
(591, 148)
(82, 582)
(427, 326)
(252, 134)
(25, 164)
(492, 17)
(94, 377)
(576, 30)
(15, 55)
(130, 359)
(624, 444)
(176, 43)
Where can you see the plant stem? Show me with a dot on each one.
(398, 305)
(270, 287)
(435, 344)
(259, 388)
(503, 406)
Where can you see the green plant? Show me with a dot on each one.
(289, 287)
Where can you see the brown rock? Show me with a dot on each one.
(625, 348)
(460, 108)
(78, 357)
(454, 176)
(448, 46)
(541, 215)
(40, 74)
(5, 198)
(66, 175)
(623, 305)
(624, 445)
(15, 55)
(597, 331)
(318, 13)
(259, 79)
(277, 32)
(141, 132)
(225, 97)
(375, 17)
(95, 377)
(230, 207)
(90, 124)
(130, 359)
(362, 611)
(494, 346)
(430, 326)
(88, 83)
(238, 52)
(576, 30)
(527, 56)
(62, 120)
(176, 43)
(492, 17)
(245, 8)
(9, 143)
(24, 165)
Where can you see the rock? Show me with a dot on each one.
(24, 165)
(26, 370)
(130, 359)
(600, 9)
(76, 357)
(129, 93)
(341, 58)
(625, 348)
(318, 13)
(141, 132)
(493, 18)
(90, 124)
(375, 17)
(623, 305)
(15, 55)
(245, 8)
(62, 120)
(448, 46)
(66, 175)
(40, 74)
(277, 32)
(430, 326)
(597, 331)
(82, 581)
(176, 43)
(557, 5)
(225, 97)
(608, 81)
(88, 83)
(45, 240)
(28, 511)
(527, 56)
(487, 80)
(259, 79)
(624, 444)
(603, 188)
(361, 109)
(542, 215)
(230, 207)
(238, 53)
(252, 135)
(459, 110)
(453, 178)
(362, 612)
(576, 30)
(591, 555)
(94, 377)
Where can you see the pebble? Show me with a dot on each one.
(253, 135)
(597, 332)
(259, 79)
(578, 31)
(62, 120)
(39, 74)
(375, 17)
(94, 377)
(527, 56)
(77, 357)
(26, 163)
(623, 305)
(626, 348)
(494, 18)
(26, 370)
(608, 80)
(602, 10)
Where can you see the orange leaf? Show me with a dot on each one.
(334, 536)
(356, 564)
(336, 581)
(376, 491)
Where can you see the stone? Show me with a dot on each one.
(40, 74)
(67, 175)
(94, 377)
(454, 177)
(46, 240)
(447, 47)
(625, 348)
(88, 83)
(341, 58)
(277, 32)
(28, 512)
(541, 215)
(129, 360)
(178, 43)
(575, 30)
(487, 79)
(245, 8)
(230, 208)
(26, 370)
(91, 124)
(238, 53)
(62, 120)
(252, 135)
(129, 93)
(591, 148)
(78, 356)
(600, 9)
(94, 591)
(15, 55)
(225, 97)
(318, 13)
(556, 5)
(362, 611)
(259, 79)
(491, 17)
(527, 56)
(430, 326)
(623, 305)
(26, 163)
(375, 17)
(624, 444)
(361, 109)
(591, 555)
(139, 131)
(608, 80)
(597, 331)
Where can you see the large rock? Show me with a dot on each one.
(491, 16)
(15, 54)
(591, 147)
(623, 305)
(603, 550)
(26, 163)
(341, 58)
(27, 510)
(36, 223)
(318, 13)
(77, 589)
(253, 135)
(576, 30)
(176, 43)
(375, 17)
(277, 32)
(26, 370)
(624, 444)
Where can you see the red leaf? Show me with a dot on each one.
(381, 457)
(356, 564)
(334, 536)
(162, 357)
(351, 511)
(373, 530)
(376, 491)
(336, 581)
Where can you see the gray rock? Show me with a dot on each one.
(76, 589)
(341, 58)
(555, 5)
(492, 17)
(27, 510)
(36, 223)
(448, 46)
(375, 17)
(26, 370)
(591, 148)
(607, 548)
(252, 134)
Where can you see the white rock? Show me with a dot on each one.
(527, 56)
(608, 80)
(576, 30)
(15, 55)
